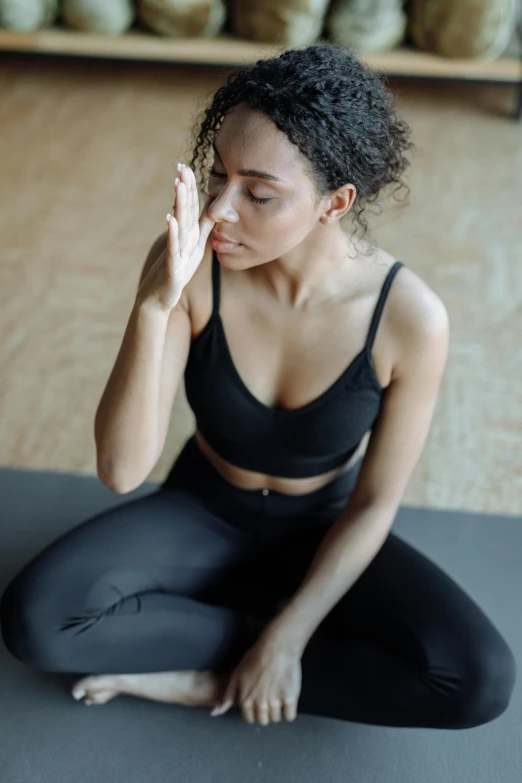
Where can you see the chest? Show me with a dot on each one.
(287, 360)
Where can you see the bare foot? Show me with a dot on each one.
(191, 688)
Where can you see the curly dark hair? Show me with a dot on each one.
(336, 110)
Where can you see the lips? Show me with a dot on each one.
(223, 239)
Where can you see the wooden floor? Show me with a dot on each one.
(88, 153)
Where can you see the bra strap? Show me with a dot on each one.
(381, 302)
(216, 281)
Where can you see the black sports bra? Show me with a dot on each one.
(300, 443)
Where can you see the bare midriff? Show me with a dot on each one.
(247, 479)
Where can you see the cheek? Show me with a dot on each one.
(282, 236)
(291, 221)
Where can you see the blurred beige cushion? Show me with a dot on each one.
(367, 25)
(109, 17)
(291, 22)
(463, 28)
(27, 14)
(183, 18)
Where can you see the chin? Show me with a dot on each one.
(234, 260)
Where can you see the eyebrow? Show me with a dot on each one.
(250, 172)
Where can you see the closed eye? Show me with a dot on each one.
(214, 173)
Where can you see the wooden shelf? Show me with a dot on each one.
(232, 52)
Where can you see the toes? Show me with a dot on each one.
(91, 686)
(81, 687)
(95, 696)
(100, 697)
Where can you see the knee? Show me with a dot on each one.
(488, 684)
(21, 633)
(13, 625)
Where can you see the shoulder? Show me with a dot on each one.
(415, 303)
(416, 306)
(410, 302)
(418, 320)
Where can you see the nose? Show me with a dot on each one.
(220, 208)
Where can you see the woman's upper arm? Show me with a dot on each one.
(408, 404)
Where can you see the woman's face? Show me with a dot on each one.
(268, 217)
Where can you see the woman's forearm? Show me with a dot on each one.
(126, 422)
(343, 555)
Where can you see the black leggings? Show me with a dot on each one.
(165, 582)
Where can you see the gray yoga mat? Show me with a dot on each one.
(47, 737)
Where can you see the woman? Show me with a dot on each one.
(263, 574)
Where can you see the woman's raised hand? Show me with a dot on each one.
(187, 236)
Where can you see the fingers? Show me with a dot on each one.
(264, 713)
(172, 242)
(181, 212)
(290, 710)
(274, 710)
(195, 202)
(227, 698)
(186, 208)
(186, 176)
(267, 713)
(206, 222)
(247, 708)
(220, 709)
(262, 716)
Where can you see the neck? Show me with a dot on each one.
(306, 275)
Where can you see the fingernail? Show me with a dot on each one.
(79, 695)
(177, 181)
(181, 166)
(168, 218)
